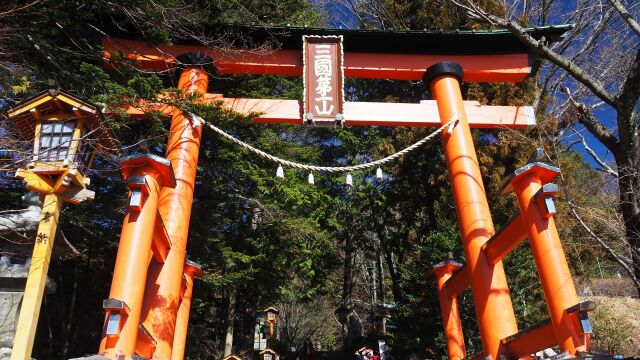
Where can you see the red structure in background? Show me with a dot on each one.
(148, 310)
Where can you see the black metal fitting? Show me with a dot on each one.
(443, 68)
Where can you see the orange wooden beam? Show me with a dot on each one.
(502, 243)
(161, 243)
(477, 68)
(530, 341)
(458, 282)
(423, 114)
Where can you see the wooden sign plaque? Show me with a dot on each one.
(323, 80)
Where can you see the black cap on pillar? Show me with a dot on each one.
(203, 61)
(449, 68)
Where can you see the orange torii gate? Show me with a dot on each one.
(148, 307)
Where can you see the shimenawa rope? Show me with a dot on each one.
(449, 125)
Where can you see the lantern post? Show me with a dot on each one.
(67, 132)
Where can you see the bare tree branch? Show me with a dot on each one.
(595, 127)
(606, 168)
(626, 15)
(541, 48)
(604, 245)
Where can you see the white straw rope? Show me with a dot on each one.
(331, 169)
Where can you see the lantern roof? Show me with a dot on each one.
(268, 351)
(270, 308)
(56, 101)
(232, 357)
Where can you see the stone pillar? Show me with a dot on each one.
(13, 277)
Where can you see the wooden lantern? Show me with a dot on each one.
(271, 315)
(67, 132)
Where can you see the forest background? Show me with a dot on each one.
(308, 249)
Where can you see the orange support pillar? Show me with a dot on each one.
(494, 309)
(145, 175)
(537, 209)
(191, 270)
(161, 306)
(450, 313)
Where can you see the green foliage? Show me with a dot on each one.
(613, 331)
(420, 301)
(22, 86)
(526, 291)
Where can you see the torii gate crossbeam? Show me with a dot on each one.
(423, 114)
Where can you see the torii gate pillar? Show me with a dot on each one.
(494, 310)
(191, 270)
(174, 205)
(450, 311)
(150, 266)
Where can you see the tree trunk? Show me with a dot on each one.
(395, 275)
(347, 291)
(249, 321)
(380, 284)
(347, 280)
(231, 316)
(68, 336)
(629, 187)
